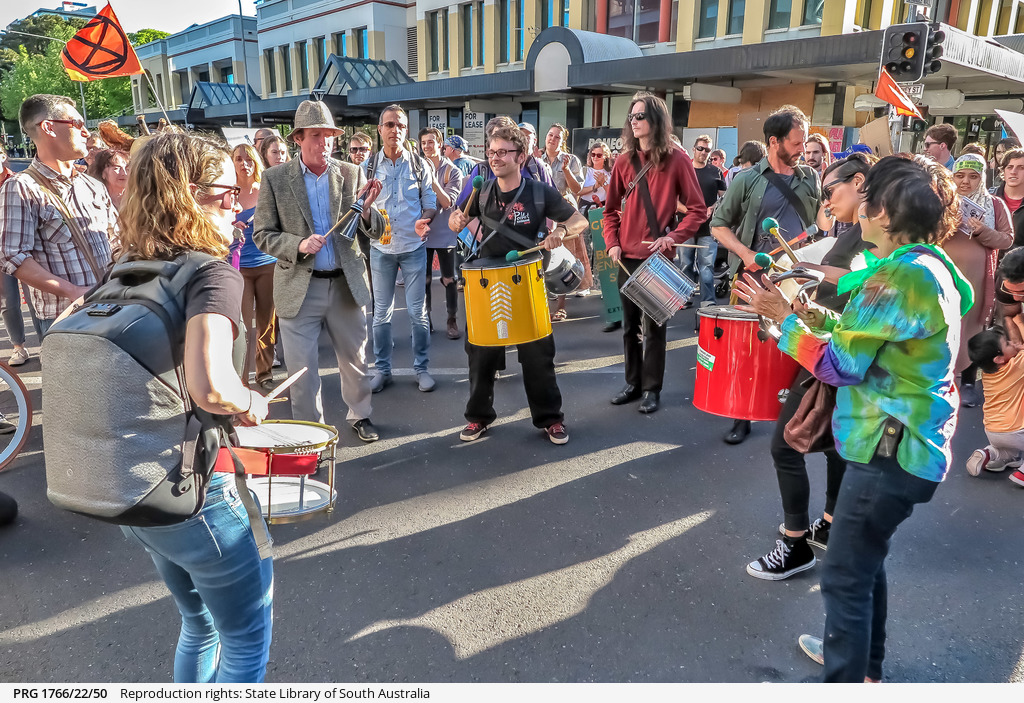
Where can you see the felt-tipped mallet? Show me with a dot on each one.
(516, 255)
(478, 182)
(766, 262)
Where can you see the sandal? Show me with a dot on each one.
(559, 315)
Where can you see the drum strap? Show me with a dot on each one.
(645, 196)
(499, 226)
(259, 526)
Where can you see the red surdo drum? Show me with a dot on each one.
(740, 374)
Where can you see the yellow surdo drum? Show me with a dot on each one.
(506, 303)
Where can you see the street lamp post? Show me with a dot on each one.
(245, 65)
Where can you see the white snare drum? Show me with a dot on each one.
(283, 453)
(658, 288)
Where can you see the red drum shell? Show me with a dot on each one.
(738, 375)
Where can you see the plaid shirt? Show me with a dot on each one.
(31, 227)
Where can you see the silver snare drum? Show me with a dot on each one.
(658, 288)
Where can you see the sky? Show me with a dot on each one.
(134, 15)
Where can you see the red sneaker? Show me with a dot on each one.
(557, 433)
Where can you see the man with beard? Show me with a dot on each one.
(816, 153)
(777, 187)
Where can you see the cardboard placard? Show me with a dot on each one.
(875, 134)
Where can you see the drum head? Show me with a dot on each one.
(280, 434)
(725, 312)
(564, 272)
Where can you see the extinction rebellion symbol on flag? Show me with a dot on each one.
(100, 50)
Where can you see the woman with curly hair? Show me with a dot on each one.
(110, 167)
(891, 354)
(182, 197)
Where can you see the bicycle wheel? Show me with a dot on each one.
(15, 415)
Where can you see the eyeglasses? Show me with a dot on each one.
(701, 149)
(233, 191)
(637, 117)
(394, 125)
(929, 145)
(501, 153)
(1013, 293)
(358, 149)
(77, 124)
(596, 154)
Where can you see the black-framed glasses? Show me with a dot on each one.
(826, 190)
(595, 154)
(234, 191)
(702, 149)
(637, 117)
(501, 153)
(929, 145)
(394, 125)
(77, 124)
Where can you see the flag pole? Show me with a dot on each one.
(159, 102)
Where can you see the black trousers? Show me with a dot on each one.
(446, 259)
(791, 469)
(643, 341)
(538, 362)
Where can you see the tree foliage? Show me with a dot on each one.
(29, 66)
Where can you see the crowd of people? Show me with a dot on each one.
(921, 290)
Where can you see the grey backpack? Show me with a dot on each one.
(124, 442)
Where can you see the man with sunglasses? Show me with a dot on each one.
(37, 245)
(359, 147)
(939, 141)
(408, 197)
(712, 185)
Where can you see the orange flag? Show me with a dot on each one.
(890, 91)
(100, 50)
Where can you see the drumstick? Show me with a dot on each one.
(287, 382)
(772, 225)
(277, 400)
(689, 246)
(513, 255)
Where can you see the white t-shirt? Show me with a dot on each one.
(591, 181)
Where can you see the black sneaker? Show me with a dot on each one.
(790, 556)
(817, 535)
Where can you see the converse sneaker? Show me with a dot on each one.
(813, 648)
(557, 433)
(472, 431)
(790, 556)
(817, 535)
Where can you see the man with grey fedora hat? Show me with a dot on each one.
(320, 279)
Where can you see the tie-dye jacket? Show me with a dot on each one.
(891, 353)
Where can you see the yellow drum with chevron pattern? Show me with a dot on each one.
(506, 303)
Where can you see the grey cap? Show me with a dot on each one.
(528, 127)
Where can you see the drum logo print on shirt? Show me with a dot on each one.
(501, 307)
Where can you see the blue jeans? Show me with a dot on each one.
(703, 261)
(222, 588)
(12, 316)
(385, 272)
(874, 499)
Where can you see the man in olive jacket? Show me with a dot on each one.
(319, 280)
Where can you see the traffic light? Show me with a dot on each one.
(904, 51)
(933, 50)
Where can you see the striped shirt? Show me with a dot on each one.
(31, 227)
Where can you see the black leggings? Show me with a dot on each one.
(791, 468)
(446, 258)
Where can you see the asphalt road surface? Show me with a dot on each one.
(617, 557)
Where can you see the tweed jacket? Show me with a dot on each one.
(284, 219)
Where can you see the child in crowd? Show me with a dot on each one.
(1002, 367)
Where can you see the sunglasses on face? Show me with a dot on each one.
(826, 190)
(929, 145)
(358, 149)
(1013, 293)
(701, 149)
(597, 154)
(394, 125)
(638, 117)
(77, 124)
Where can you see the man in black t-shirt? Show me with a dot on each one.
(528, 203)
(712, 185)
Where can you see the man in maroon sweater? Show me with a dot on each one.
(670, 178)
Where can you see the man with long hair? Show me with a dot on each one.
(649, 169)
